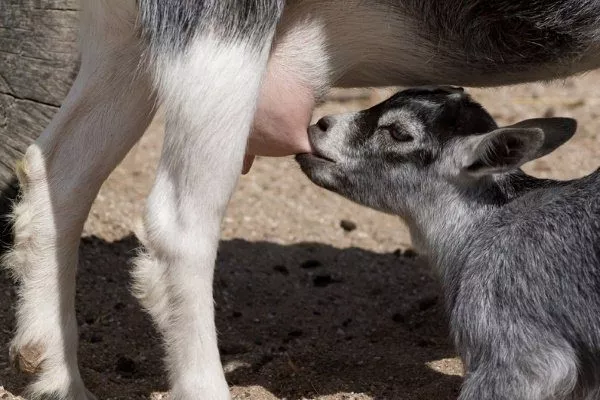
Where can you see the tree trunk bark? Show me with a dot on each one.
(38, 63)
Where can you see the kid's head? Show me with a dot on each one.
(428, 137)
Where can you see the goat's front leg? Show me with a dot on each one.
(210, 93)
(105, 113)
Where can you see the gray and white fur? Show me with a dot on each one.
(219, 69)
(519, 256)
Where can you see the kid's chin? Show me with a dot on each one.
(319, 171)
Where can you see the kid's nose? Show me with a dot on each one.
(324, 124)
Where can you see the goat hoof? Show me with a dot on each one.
(27, 359)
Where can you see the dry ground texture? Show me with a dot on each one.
(305, 308)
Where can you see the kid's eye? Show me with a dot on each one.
(397, 134)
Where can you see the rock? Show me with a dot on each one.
(399, 318)
(233, 348)
(410, 253)
(296, 333)
(125, 366)
(425, 342)
(323, 280)
(282, 269)
(427, 302)
(310, 264)
(550, 112)
(96, 338)
(348, 225)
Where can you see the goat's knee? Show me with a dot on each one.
(173, 282)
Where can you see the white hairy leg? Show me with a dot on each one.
(104, 114)
(210, 94)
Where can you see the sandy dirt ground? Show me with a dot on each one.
(305, 308)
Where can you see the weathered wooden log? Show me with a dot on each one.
(38, 62)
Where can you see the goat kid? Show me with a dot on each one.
(221, 68)
(519, 257)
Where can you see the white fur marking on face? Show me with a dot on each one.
(403, 119)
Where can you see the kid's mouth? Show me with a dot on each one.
(314, 157)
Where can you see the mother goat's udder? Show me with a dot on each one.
(282, 117)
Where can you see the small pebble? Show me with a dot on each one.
(550, 112)
(323, 280)
(348, 225)
(282, 269)
(310, 264)
(410, 253)
(125, 366)
(96, 339)
(399, 318)
(233, 348)
(427, 303)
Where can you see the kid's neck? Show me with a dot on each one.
(444, 222)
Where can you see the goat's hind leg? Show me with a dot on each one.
(105, 113)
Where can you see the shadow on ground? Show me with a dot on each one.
(302, 320)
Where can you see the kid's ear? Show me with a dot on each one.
(506, 149)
